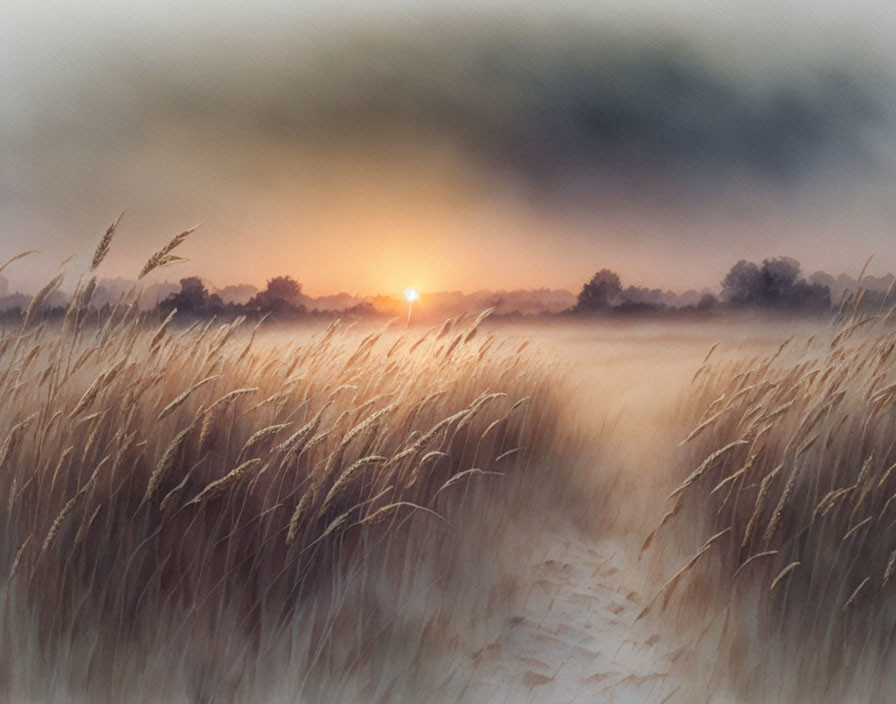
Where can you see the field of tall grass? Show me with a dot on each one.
(785, 513)
(218, 513)
(248, 512)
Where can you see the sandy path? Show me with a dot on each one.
(575, 639)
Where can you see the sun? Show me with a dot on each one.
(411, 295)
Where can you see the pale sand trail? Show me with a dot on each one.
(577, 637)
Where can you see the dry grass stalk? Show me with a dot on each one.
(855, 594)
(782, 574)
(219, 486)
(103, 247)
(164, 256)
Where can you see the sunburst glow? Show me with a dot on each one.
(411, 295)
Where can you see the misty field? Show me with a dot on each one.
(518, 355)
(470, 512)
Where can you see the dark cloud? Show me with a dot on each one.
(566, 110)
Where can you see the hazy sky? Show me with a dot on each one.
(371, 145)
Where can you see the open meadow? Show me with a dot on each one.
(470, 512)
(513, 353)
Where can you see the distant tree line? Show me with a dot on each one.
(281, 299)
(775, 285)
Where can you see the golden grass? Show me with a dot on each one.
(795, 454)
(184, 510)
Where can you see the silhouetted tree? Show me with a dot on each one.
(642, 294)
(776, 284)
(823, 278)
(707, 303)
(741, 283)
(599, 293)
(193, 299)
(193, 295)
(281, 295)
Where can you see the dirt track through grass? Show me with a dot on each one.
(575, 639)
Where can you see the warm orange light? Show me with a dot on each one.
(411, 295)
